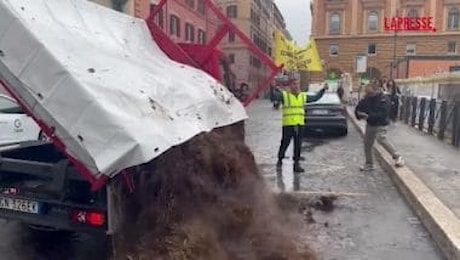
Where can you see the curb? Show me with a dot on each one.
(438, 219)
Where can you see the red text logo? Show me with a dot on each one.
(409, 24)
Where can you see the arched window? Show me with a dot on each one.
(373, 21)
(453, 22)
(334, 24)
(412, 13)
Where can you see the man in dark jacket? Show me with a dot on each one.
(375, 109)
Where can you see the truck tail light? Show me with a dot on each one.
(92, 218)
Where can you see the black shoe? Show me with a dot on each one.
(297, 168)
(279, 164)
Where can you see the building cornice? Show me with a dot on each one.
(451, 2)
(335, 5)
(380, 35)
(411, 3)
(369, 4)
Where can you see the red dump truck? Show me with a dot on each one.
(55, 184)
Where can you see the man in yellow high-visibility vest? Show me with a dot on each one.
(293, 102)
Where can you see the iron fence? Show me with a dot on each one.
(439, 118)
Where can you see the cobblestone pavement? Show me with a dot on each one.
(377, 225)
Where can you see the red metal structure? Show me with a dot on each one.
(207, 57)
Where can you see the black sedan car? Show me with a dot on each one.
(326, 114)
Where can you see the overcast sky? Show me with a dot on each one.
(298, 18)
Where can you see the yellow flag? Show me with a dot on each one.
(285, 52)
(294, 58)
(308, 58)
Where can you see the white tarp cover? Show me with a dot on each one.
(96, 76)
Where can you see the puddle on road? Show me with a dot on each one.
(287, 180)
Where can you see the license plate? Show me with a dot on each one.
(20, 205)
(319, 112)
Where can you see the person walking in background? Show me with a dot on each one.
(382, 85)
(375, 109)
(293, 110)
(394, 93)
(340, 92)
(275, 99)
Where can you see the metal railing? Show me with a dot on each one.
(437, 118)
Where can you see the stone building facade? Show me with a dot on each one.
(185, 21)
(258, 19)
(345, 29)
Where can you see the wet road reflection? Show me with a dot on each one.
(24, 243)
(288, 180)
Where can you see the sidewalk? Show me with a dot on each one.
(430, 182)
(436, 163)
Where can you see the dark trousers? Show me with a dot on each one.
(290, 132)
(394, 108)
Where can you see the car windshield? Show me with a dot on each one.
(8, 106)
(327, 98)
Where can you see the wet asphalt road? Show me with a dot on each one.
(21, 243)
(376, 225)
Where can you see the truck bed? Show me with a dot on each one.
(39, 187)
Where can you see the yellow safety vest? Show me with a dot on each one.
(293, 108)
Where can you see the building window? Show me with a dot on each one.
(334, 24)
(231, 58)
(190, 3)
(373, 21)
(174, 26)
(159, 18)
(255, 62)
(232, 11)
(334, 50)
(412, 13)
(453, 22)
(201, 36)
(452, 47)
(231, 37)
(371, 49)
(410, 49)
(255, 17)
(201, 7)
(189, 32)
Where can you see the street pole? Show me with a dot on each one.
(395, 37)
(393, 63)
